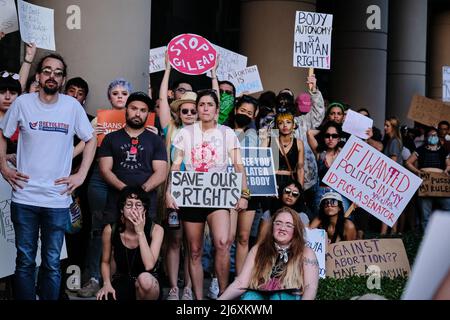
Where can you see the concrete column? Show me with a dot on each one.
(439, 52)
(359, 55)
(113, 41)
(407, 55)
(267, 39)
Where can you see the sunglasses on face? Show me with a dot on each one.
(331, 136)
(6, 74)
(48, 72)
(330, 202)
(288, 191)
(186, 111)
(134, 143)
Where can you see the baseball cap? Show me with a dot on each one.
(141, 96)
(331, 195)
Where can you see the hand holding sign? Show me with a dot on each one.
(191, 54)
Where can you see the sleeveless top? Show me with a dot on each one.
(292, 157)
(322, 166)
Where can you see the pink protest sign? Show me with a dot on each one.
(191, 54)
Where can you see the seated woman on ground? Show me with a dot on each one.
(131, 247)
(280, 267)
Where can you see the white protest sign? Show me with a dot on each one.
(37, 25)
(8, 16)
(156, 62)
(446, 83)
(246, 81)
(312, 40)
(357, 124)
(432, 262)
(206, 189)
(7, 236)
(316, 240)
(373, 181)
(229, 61)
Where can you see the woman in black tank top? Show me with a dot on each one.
(134, 243)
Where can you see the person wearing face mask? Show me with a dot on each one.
(431, 157)
(227, 96)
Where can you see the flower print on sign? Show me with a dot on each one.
(204, 156)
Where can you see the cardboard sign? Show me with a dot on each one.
(349, 258)
(206, 189)
(37, 25)
(312, 40)
(246, 81)
(357, 124)
(434, 185)
(316, 239)
(428, 111)
(260, 171)
(157, 60)
(191, 54)
(114, 120)
(432, 262)
(373, 181)
(446, 83)
(229, 61)
(8, 16)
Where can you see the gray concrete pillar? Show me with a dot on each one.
(407, 55)
(113, 40)
(439, 52)
(359, 55)
(267, 39)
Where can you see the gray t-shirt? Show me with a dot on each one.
(394, 148)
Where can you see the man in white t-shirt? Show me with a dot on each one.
(42, 184)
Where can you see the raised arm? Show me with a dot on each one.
(164, 108)
(214, 80)
(30, 52)
(312, 141)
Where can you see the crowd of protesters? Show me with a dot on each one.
(125, 188)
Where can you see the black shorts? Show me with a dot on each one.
(193, 214)
(125, 287)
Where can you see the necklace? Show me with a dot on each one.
(287, 145)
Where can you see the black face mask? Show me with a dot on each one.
(242, 120)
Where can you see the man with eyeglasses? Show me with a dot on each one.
(133, 156)
(180, 87)
(42, 184)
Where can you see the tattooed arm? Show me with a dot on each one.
(310, 274)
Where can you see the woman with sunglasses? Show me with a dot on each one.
(132, 245)
(291, 196)
(326, 151)
(280, 267)
(331, 219)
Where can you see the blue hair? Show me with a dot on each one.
(119, 82)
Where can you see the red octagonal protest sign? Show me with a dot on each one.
(191, 54)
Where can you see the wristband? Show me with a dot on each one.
(26, 61)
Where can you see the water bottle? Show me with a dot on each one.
(172, 219)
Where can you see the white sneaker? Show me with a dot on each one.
(187, 294)
(213, 290)
(173, 294)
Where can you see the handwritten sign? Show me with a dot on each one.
(446, 83)
(113, 120)
(350, 258)
(260, 171)
(246, 81)
(316, 240)
(357, 124)
(37, 25)
(428, 111)
(8, 16)
(312, 40)
(229, 61)
(157, 60)
(434, 185)
(191, 54)
(206, 189)
(373, 181)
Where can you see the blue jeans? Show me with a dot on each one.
(253, 295)
(27, 221)
(426, 206)
(97, 195)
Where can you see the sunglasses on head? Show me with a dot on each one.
(288, 191)
(186, 111)
(331, 136)
(330, 202)
(6, 74)
(134, 143)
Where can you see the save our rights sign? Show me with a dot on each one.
(373, 181)
(206, 189)
(260, 171)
